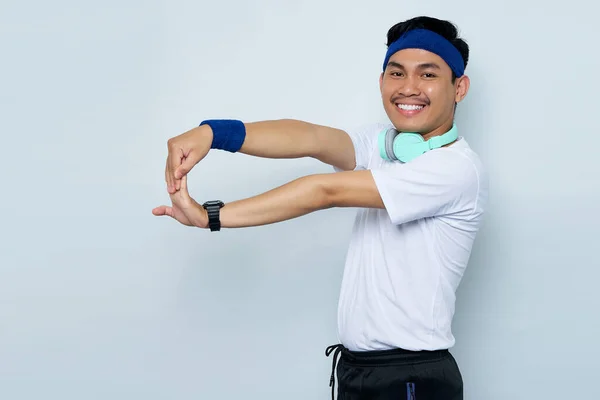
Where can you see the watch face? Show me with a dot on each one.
(213, 203)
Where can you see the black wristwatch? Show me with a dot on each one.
(213, 208)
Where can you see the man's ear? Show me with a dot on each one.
(381, 83)
(462, 88)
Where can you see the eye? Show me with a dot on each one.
(429, 75)
(396, 73)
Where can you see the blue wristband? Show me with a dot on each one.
(228, 134)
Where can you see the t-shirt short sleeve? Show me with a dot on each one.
(364, 138)
(437, 183)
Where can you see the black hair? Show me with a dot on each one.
(444, 28)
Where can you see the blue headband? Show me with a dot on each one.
(430, 41)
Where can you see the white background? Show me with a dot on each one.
(101, 300)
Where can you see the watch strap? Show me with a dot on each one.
(214, 222)
(213, 210)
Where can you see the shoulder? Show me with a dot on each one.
(466, 160)
(458, 160)
(454, 171)
(463, 170)
(442, 182)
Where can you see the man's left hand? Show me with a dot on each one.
(184, 209)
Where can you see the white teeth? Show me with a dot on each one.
(409, 107)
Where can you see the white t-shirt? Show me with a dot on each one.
(405, 262)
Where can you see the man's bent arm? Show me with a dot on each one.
(289, 138)
(303, 196)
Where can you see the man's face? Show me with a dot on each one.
(418, 94)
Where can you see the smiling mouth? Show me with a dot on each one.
(410, 110)
(410, 107)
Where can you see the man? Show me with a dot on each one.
(420, 197)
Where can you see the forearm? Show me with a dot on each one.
(297, 198)
(284, 138)
(289, 138)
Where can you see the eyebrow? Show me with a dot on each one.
(429, 65)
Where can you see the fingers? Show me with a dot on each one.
(170, 212)
(186, 165)
(163, 210)
(178, 165)
(173, 161)
(168, 176)
(185, 151)
(182, 198)
(184, 187)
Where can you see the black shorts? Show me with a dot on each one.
(395, 374)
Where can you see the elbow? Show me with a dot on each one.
(322, 195)
(326, 194)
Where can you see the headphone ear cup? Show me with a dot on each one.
(409, 146)
(386, 144)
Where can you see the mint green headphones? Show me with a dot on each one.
(405, 146)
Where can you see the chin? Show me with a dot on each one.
(416, 123)
(402, 125)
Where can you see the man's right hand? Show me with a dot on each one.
(185, 151)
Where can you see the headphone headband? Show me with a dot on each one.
(405, 146)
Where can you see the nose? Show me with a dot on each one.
(409, 86)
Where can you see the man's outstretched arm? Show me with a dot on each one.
(294, 199)
(303, 196)
(286, 138)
